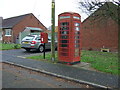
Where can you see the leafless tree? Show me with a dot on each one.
(90, 6)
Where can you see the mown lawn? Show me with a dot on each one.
(9, 46)
(102, 61)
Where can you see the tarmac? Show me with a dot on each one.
(78, 73)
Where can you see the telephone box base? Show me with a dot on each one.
(69, 63)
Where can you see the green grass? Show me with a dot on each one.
(47, 57)
(9, 46)
(101, 61)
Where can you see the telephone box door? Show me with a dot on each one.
(63, 39)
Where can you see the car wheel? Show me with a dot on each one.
(41, 48)
(27, 49)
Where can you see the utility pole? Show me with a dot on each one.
(53, 32)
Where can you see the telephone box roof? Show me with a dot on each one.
(69, 13)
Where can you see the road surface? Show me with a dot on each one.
(17, 77)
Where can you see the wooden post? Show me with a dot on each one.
(53, 32)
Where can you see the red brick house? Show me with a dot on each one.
(100, 30)
(14, 25)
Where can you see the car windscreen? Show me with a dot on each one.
(29, 37)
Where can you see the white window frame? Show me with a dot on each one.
(8, 32)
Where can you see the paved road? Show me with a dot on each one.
(20, 52)
(16, 77)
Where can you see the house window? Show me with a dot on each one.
(7, 32)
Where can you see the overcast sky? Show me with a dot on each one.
(40, 8)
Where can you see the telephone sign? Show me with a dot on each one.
(69, 27)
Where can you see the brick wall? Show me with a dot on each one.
(7, 39)
(28, 21)
(99, 33)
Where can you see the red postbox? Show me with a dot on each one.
(44, 37)
(69, 26)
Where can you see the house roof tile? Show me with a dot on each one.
(10, 22)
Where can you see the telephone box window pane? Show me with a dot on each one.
(77, 33)
(64, 37)
(64, 23)
(64, 41)
(77, 37)
(77, 28)
(61, 28)
(77, 46)
(77, 41)
(77, 24)
(64, 28)
(64, 45)
(64, 32)
(77, 52)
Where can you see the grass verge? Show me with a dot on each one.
(9, 46)
(102, 61)
(47, 58)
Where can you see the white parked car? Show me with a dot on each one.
(34, 42)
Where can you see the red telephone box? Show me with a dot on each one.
(44, 37)
(69, 25)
